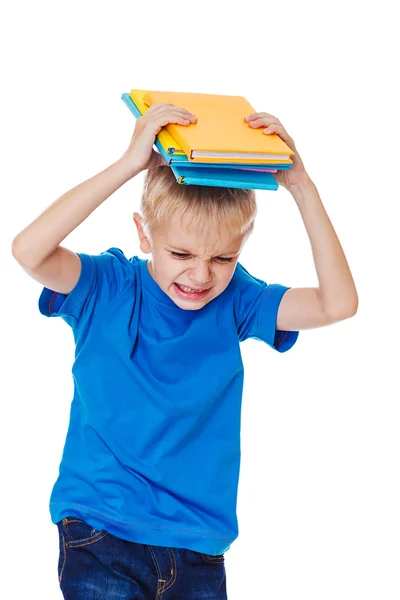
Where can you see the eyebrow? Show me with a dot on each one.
(217, 255)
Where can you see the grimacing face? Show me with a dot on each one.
(190, 268)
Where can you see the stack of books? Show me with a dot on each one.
(220, 149)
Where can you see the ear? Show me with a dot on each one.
(144, 242)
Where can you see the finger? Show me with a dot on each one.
(281, 131)
(263, 122)
(171, 114)
(182, 111)
(258, 115)
(171, 108)
(182, 115)
(165, 119)
(274, 129)
(157, 106)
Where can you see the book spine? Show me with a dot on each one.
(178, 135)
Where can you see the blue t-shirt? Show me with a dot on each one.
(152, 450)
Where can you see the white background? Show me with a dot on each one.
(319, 494)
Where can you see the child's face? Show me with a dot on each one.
(208, 261)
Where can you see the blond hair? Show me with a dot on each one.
(207, 207)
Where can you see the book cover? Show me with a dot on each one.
(209, 175)
(229, 178)
(221, 134)
(182, 160)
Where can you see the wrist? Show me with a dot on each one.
(301, 186)
(130, 166)
(305, 194)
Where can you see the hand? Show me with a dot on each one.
(297, 172)
(140, 149)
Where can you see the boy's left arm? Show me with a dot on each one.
(335, 299)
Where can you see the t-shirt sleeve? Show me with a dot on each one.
(103, 278)
(256, 305)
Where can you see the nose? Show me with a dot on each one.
(200, 274)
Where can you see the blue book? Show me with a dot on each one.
(232, 175)
(232, 178)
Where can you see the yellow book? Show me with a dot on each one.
(220, 133)
(164, 137)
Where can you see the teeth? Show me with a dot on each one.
(186, 289)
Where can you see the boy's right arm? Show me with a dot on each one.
(37, 247)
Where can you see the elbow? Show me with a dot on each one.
(351, 312)
(14, 248)
(346, 311)
(352, 307)
(17, 251)
(341, 308)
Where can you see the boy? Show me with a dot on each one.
(146, 495)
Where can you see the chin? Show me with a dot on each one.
(192, 306)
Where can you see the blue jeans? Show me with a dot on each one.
(96, 565)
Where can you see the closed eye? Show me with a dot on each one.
(181, 256)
